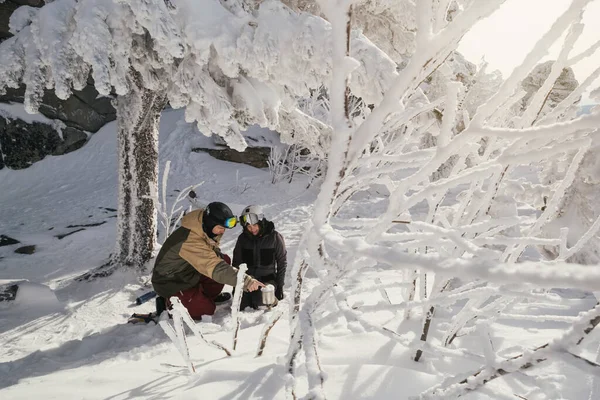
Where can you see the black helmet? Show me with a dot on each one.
(218, 213)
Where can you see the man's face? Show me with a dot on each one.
(218, 230)
(253, 228)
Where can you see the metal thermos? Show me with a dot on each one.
(268, 295)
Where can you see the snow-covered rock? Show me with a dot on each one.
(23, 142)
(564, 85)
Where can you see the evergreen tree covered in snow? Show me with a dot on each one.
(230, 64)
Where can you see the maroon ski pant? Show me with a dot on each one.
(200, 299)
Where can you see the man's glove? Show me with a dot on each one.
(279, 292)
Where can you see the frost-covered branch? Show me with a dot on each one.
(413, 151)
(265, 332)
(237, 301)
(585, 324)
(170, 218)
(185, 317)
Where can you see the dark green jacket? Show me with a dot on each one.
(187, 254)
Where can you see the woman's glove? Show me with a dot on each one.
(279, 292)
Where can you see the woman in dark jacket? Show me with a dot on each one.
(263, 250)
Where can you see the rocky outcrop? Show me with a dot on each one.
(7, 241)
(84, 110)
(564, 85)
(8, 292)
(23, 143)
(26, 249)
(256, 157)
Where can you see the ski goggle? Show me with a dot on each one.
(230, 222)
(251, 219)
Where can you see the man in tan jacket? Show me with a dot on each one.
(190, 264)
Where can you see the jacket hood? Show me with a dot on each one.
(193, 222)
(267, 227)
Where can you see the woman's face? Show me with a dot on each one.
(253, 228)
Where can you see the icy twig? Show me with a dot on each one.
(587, 321)
(185, 317)
(237, 301)
(265, 332)
(564, 255)
(180, 345)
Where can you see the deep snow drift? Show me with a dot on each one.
(66, 339)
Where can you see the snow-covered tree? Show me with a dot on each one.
(391, 26)
(447, 238)
(230, 64)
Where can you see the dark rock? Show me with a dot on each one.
(254, 156)
(32, 3)
(64, 235)
(51, 228)
(98, 272)
(9, 292)
(86, 225)
(72, 139)
(83, 110)
(6, 9)
(26, 249)
(565, 84)
(23, 144)
(108, 209)
(7, 241)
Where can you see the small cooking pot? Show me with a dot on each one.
(268, 295)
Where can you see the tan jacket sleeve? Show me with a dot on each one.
(198, 253)
(226, 274)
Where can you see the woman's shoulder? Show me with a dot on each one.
(278, 235)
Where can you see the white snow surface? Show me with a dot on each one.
(16, 110)
(63, 339)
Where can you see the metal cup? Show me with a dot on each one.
(268, 295)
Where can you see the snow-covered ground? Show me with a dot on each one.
(67, 339)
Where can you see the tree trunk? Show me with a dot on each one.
(138, 115)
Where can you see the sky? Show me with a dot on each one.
(507, 36)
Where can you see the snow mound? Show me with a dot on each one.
(37, 296)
